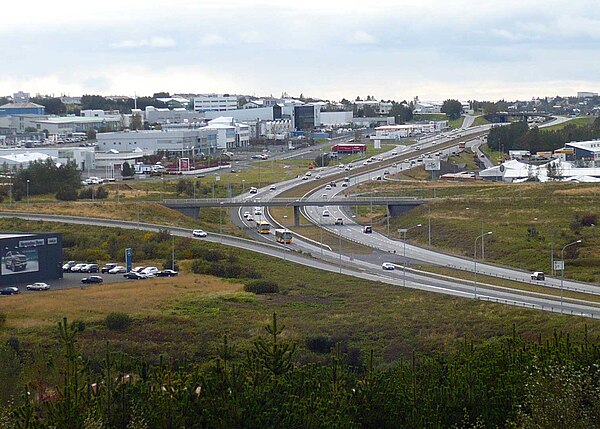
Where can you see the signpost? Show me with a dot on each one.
(128, 258)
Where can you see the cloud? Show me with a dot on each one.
(155, 42)
(212, 40)
(361, 37)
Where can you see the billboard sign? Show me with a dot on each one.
(559, 265)
(22, 260)
(432, 164)
(128, 258)
(184, 164)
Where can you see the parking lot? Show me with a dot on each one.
(73, 280)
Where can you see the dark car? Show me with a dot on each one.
(132, 275)
(167, 273)
(107, 268)
(11, 290)
(92, 279)
(15, 261)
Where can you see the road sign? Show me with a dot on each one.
(128, 258)
(559, 265)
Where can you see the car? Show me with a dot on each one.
(344, 184)
(118, 269)
(90, 268)
(150, 270)
(538, 275)
(386, 171)
(304, 177)
(67, 266)
(272, 188)
(106, 268)
(417, 147)
(138, 269)
(246, 214)
(394, 165)
(253, 190)
(326, 213)
(332, 184)
(388, 266)
(308, 173)
(347, 168)
(10, 290)
(368, 229)
(77, 268)
(199, 233)
(131, 275)
(38, 286)
(15, 261)
(341, 166)
(257, 211)
(328, 188)
(365, 163)
(394, 152)
(318, 176)
(92, 279)
(339, 221)
(167, 273)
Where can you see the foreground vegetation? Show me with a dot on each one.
(503, 383)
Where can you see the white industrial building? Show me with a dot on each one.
(155, 115)
(230, 133)
(215, 102)
(516, 171)
(64, 125)
(244, 115)
(182, 141)
(338, 118)
(397, 132)
(83, 157)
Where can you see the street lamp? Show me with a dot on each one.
(173, 252)
(404, 231)
(243, 186)
(27, 191)
(475, 258)
(221, 218)
(562, 277)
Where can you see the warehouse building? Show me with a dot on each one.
(28, 258)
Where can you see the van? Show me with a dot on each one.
(538, 275)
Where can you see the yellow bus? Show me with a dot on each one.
(283, 235)
(263, 227)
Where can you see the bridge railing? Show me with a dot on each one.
(286, 201)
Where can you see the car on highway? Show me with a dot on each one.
(344, 184)
(368, 229)
(388, 266)
(339, 221)
(272, 188)
(538, 275)
(167, 273)
(117, 269)
(38, 286)
(326, 213)
(394, 152)
(257, 211)
(250, 218)
(92, 280)
(318, 176)
(246, 214)
(386, 171)
(199, 233)
(328, 188)
(10, 290)
(305, 177)
(253, 190)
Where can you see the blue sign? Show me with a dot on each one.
(128, 258)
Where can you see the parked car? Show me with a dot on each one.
(77, 268)
(38, 286)
(388, 266)
(118, 269)
(538, 275)
(90, 268)
(10, 290)
(92, 279)
(167, 273)
(199, 233)
(138, 269)
(150, 271)
(134, 276)
(105, 269)
(15, 261)
(67, 266)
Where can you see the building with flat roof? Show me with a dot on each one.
(588, 150)
(215, 102)
(64, 125)
(270, 113)
(30, 257)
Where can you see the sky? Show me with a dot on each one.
(330, 49)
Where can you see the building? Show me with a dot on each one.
(397, 132)
(27, 108)
(586, 94)
(65, 125)
(270, 113)
(337, 118)
(371, 122)
(215, 102)
(306, 117)
(83, 157)
(230, 134)
(586, 151)
(154, 115)
(516, 171)
(28, 258)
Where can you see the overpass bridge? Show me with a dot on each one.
(192, 207)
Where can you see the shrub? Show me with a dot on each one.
(78, 325)
(261, 287)
(117, 321)
(320, 344)
(66, 194)
(101, 193)
(2, 319)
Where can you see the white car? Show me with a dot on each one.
(308, 173)
(388, 266)
(257, 211)
(150, 271)
(199, 233)
(38, 286)
(326, 213)
(328, 188)
(77, 268)
(250, 218)
(272, 188)
(304, 177)
(344, 184)
(119, 269)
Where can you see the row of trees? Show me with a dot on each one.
(518, 136)
(505, 383)
(47, 177)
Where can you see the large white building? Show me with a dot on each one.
(396, 132)
(154, 115)
(215, 102)
(183, 141)
(336, 118)
(83, 157)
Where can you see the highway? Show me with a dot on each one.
(337, 263)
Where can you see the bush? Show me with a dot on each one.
(66, 194)
(261, 287)
(78, 325)
(101, 193)
(2, 319)
(320, 344)
(117, 321)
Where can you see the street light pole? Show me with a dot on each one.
(475, 260)
(562, 277)
(27, 191)
(173, 252)
(404, 231)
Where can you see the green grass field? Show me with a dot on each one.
(480, 120)
(581, 121)
(456, 123)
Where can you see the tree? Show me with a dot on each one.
(53, 105)
(366, 111)
(241, 101)
(91, 134)
(402, 112)
(322, 160)
(136, 122)
(452, 108)
(126, 170)
(161, 95)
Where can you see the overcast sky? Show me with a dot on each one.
(391, 49)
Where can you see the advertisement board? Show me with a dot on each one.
(17, 261)
(432, 164)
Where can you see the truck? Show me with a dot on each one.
(15, 261)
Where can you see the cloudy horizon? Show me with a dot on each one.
(327, 49)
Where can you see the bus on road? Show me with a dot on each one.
(283, 235)
(263, 227)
